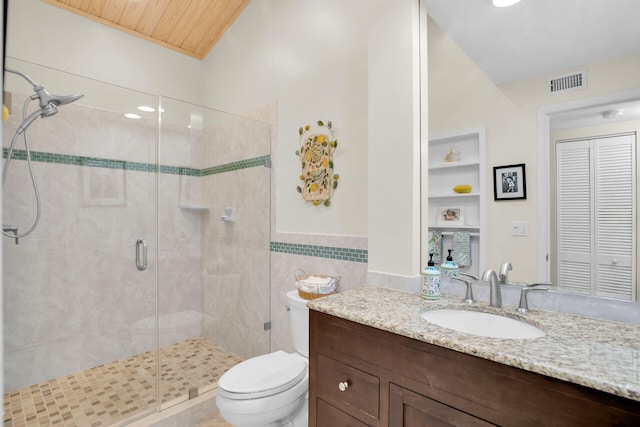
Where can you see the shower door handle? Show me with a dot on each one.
(141, 254)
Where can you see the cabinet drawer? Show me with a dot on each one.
(362, 392)
(407, 408)
(329, 416)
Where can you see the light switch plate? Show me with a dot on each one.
(519, 228)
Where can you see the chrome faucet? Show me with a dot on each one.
(495, 296)
(504, 272)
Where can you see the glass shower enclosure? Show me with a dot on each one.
(147, 275)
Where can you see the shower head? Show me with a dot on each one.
(48, 103)
(55, 100)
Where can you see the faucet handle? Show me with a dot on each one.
(471, 276)
(523, 307)
(468, 298)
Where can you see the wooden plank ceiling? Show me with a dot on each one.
(191, 27)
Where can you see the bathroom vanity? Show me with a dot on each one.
(375, 362)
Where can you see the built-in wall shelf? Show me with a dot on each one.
(446, 229)
(453, 194)
(194, 206)
(458, 158)
(453, 165)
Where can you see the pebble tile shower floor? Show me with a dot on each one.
(116, 392)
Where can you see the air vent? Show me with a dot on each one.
(567, 83)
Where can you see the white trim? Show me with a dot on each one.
(544, 236)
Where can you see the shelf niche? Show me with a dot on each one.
(465, 151)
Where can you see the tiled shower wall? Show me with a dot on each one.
(235, 254)
(73, 296)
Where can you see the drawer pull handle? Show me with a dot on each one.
(344, 385)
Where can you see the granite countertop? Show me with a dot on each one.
(599, 354)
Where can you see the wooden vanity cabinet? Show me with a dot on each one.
(363, 376)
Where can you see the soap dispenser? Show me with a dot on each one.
(430, 281)
(449, 267)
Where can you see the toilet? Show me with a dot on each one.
(271, 390)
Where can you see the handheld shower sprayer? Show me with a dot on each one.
(47, 111)
(48, 107)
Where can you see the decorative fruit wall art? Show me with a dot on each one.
(316, 156)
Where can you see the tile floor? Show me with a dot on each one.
(111, 394)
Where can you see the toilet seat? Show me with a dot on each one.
(262, 376)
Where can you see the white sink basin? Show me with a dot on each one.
(482, 324)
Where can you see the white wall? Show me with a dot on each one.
(312, 58)
(354, 63)
(46, 35)
(461, 96)
(394, 141)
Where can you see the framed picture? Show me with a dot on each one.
(450, 216)
(509, 182)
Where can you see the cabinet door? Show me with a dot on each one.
(329, 416)
(410, 409)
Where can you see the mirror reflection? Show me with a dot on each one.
(495, 69)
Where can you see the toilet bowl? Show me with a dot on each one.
(271, 390)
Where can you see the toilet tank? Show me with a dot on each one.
(298, 322)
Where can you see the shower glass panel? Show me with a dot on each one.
(148, 275)
(214, 245)
(72, 289)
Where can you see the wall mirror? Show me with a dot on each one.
(506, 72)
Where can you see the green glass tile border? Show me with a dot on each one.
(41, 156)
(177, 170)
(343, 254)
(242, 164)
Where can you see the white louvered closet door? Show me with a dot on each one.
(574, 216)
(596, 216)
(615, 209)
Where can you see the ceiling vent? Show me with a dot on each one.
(567, 83)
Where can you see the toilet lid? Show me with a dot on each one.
(263, 375)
